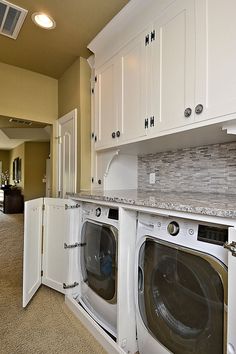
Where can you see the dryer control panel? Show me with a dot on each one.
(201, 236)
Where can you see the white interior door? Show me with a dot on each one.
(231, 340)
(32, 248)
(67, 153)
(61, 222)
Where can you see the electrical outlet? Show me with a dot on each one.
(152, 178)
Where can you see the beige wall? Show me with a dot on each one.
(35, 169)
(28, 95)
(85, 125)
(19, 151)
(4, 157)
(69, 89)
(74, 92)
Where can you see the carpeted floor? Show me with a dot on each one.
(46, 325)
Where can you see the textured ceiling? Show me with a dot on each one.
(52, 52)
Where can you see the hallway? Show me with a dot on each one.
(46, 325)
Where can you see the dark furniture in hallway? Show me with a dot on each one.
(11, 201)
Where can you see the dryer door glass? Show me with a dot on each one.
(99, 260)
(181, 298)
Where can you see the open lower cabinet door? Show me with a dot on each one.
(32, 248)
(231, 340)
(51, 234)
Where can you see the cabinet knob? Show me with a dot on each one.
(95, 138)
(199, 109)
(118, 133)
(99, 181)
(187, 112)
(113, 135)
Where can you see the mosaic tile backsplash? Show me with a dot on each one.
(207, 169)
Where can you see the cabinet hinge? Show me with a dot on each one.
(74, 245)
(70, 286)
(152, 121)
(41, 273)
(231, 247)
(153, 35)
(71, 206)
(58, 138)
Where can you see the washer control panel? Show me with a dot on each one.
(98, 212)
(173, 228)
(202, 236)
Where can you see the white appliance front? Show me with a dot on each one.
(98, 261)
(181, 286)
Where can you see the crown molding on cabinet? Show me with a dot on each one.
(129, 22)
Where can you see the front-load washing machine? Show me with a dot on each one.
(181, 286)
(98, 262)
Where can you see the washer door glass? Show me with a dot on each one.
(99, 261)
(181, 299)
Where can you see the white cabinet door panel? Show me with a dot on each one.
(67, 153)
(133, 89)
(176, 35)
(105, 104)
(32, 248)
(60, 226)
(216, 58)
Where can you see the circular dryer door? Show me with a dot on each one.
(99, 260)
(181, 298)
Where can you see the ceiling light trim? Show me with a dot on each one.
(43, 20)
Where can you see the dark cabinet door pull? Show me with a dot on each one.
(113, 135)
(187, 112)
(199, 109)
(118, 133)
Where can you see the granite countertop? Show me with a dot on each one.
(221, 205)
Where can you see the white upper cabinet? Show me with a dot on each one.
(132, 89)
(215, 58)
(106, 104)
(172, 66)
(173, 72)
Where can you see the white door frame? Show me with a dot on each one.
(71, 115)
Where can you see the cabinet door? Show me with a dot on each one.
(61, 223)
(132, 89)
(175, 62)
(216, 58)
(231, 329)
(46, 260)
(32, 248)
(106, 105)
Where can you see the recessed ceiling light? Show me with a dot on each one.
(43, 20)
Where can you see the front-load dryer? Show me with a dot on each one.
(98, 261)
(181, 286)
